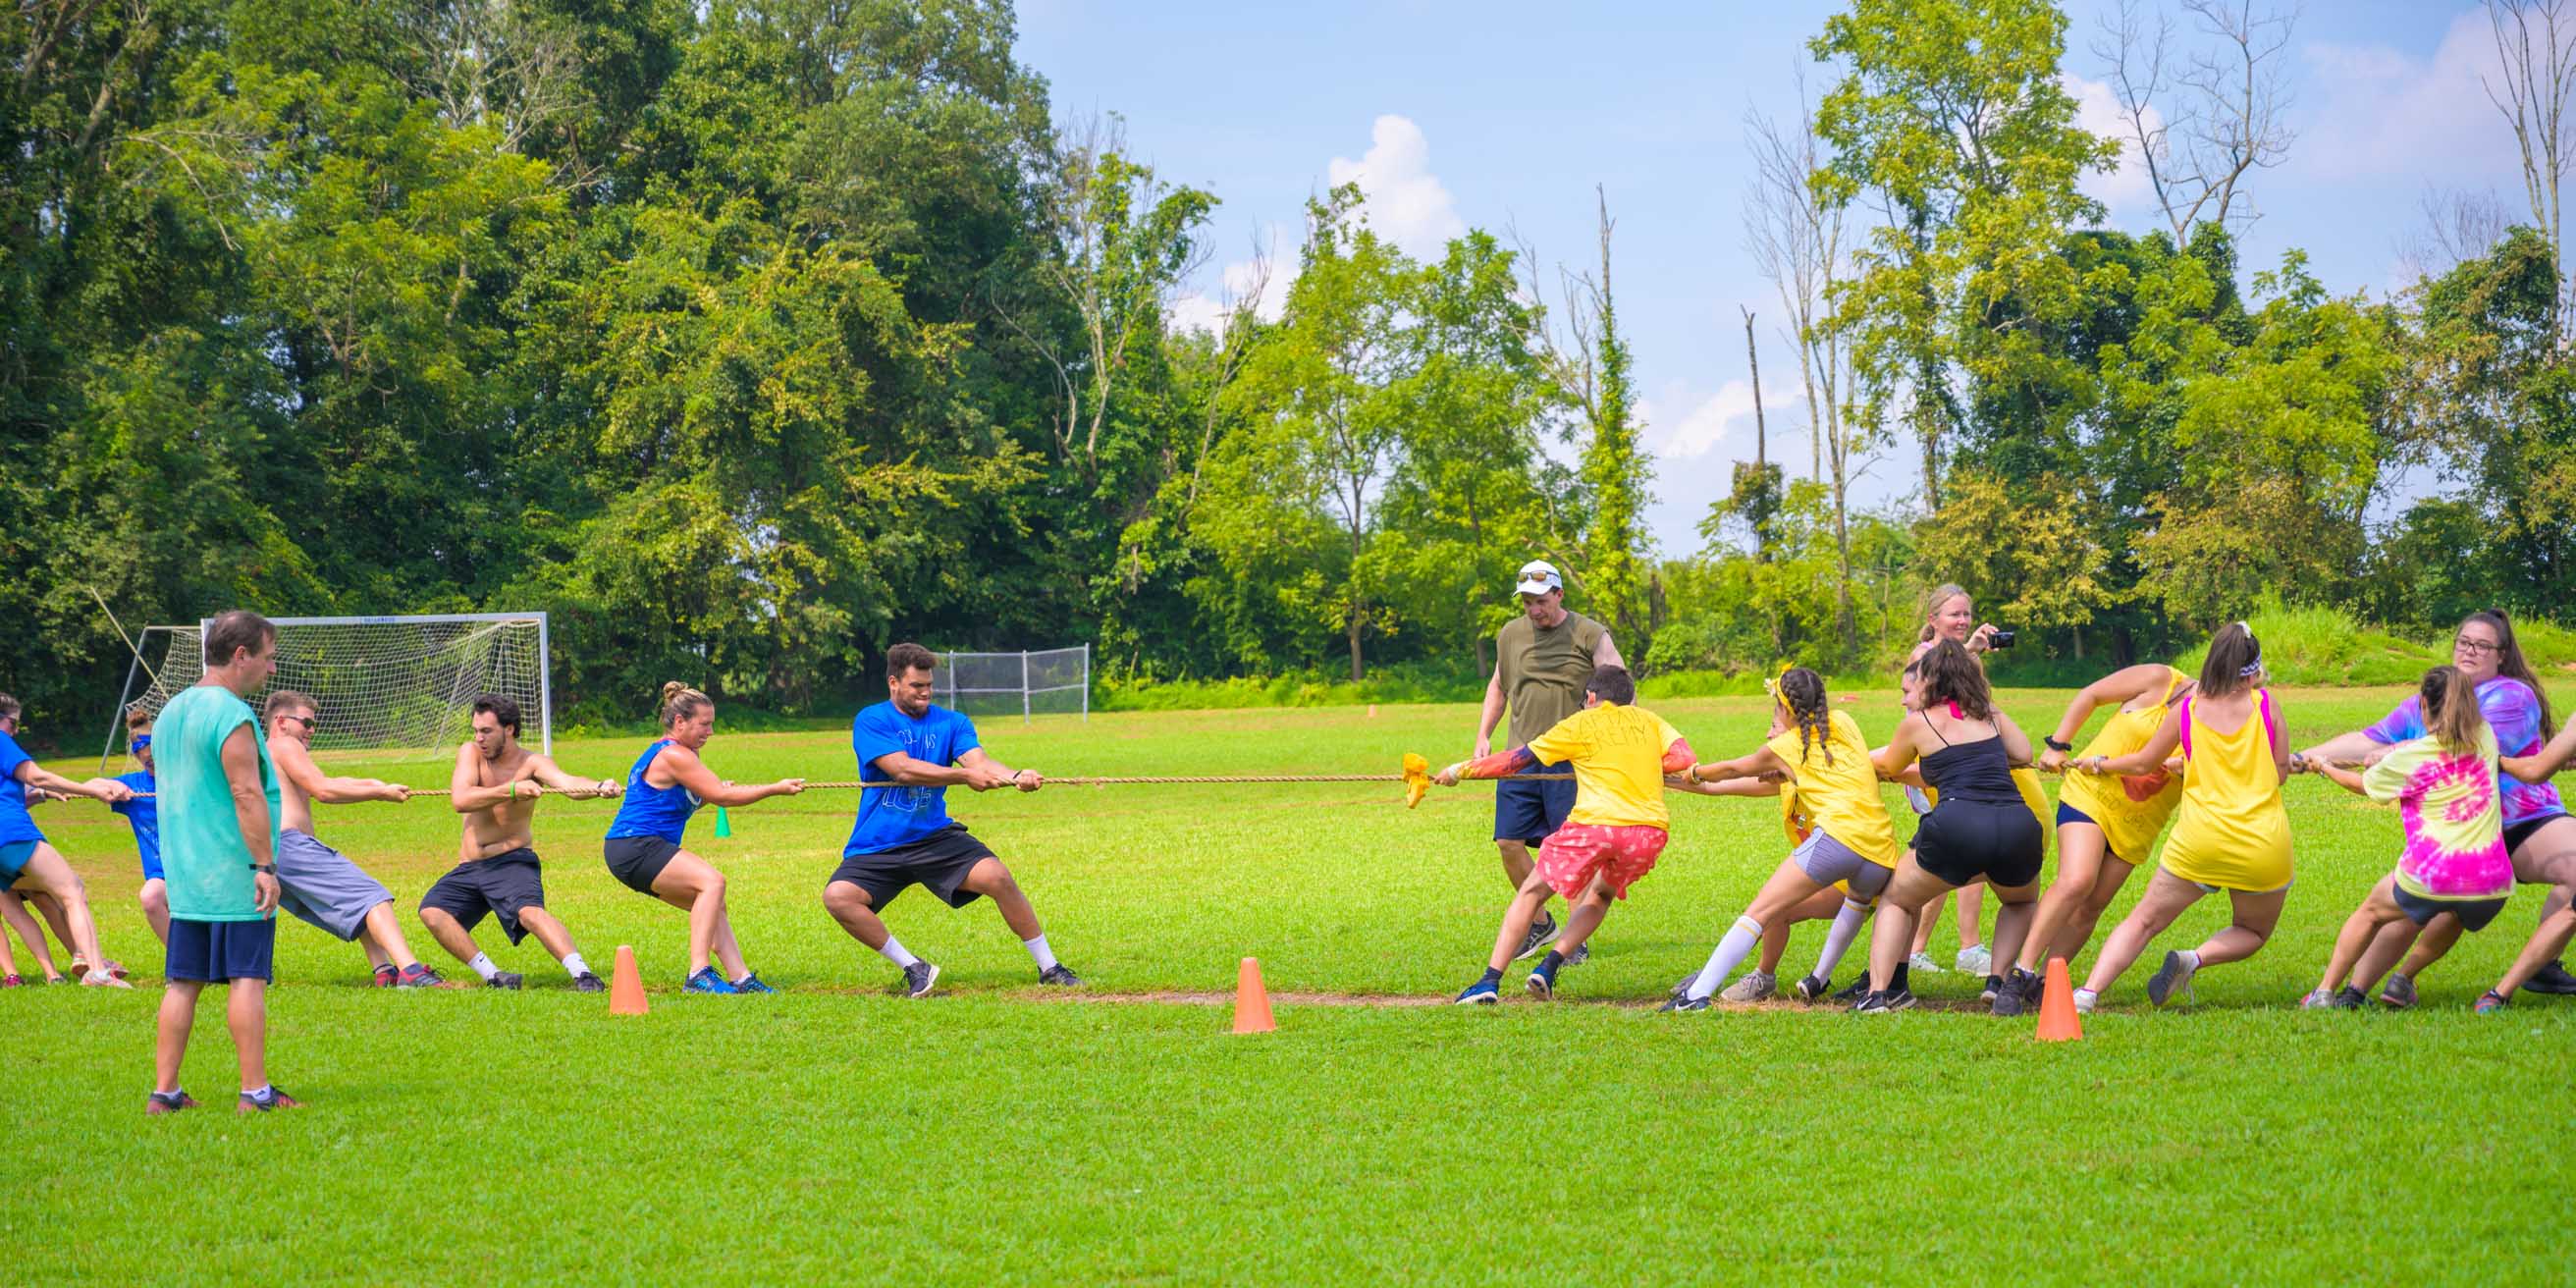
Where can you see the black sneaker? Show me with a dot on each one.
(1057, 976)
(586, 982)
(1812, 988)
(275, 1099)
(1683, 1002)
(1885, 1003)
(1858, 990)
(506, 979)
(1994, 985)
(1582, 954)
(1541, 934)
(918, 977)
(2348, 998)
(2553, 979)
(2017, 992)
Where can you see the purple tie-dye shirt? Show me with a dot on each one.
(2513, 711)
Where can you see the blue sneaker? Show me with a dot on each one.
(707, 981)
(1541, 983)
(1480, 993)
(751, 984)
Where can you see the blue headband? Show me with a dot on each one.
(141, 741)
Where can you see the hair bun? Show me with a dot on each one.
(672, 689)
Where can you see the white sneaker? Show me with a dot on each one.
(1922, 964)
(2084, 1001)
(1975, 960)
(1754, 986)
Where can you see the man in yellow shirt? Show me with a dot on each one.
(1610, 838)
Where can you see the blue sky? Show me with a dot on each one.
(1505, 115)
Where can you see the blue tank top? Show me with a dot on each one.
(649, 810)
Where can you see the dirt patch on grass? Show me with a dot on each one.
(1191, 997)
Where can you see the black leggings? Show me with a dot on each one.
(1961, 841)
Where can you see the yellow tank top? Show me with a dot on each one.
(2130, 810)
(2231, 831)
(1841, 796)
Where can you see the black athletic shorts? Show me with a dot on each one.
(938, 862)
(501, 885)
(1960, 841)
(2517, 833)
(2474, 914)
(637, 860)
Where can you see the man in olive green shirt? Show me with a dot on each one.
(1541, 660)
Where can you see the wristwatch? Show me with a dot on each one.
(2055, 745)
(269, 868)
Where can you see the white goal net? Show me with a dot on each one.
(1047, 682)
(403, 684)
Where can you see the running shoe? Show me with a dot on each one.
(1975, 960)
(1541, 934)
(1683, 986)
(706, 981)
(415, 975)
(2016, 994)
(2317, 999)
(1994, 985)
(386, 975)
(1059, 976)
(2172, 977)
(101, 979)
(2398, 993)
(275, 1099)
(1886, 1002)
(586, 982)
(2552, 979)
(511, 979)
(1859, 989)
(1541, 982)
(1480, 993)
(1683, 1002)
(918, 977)
(1923, 962)
(58, 979)
(13, 981)
(167, 1102)
(1582, 954)
(2084, 999)
(751, 984)
(1812, 988)
(2349, 998)
(2490, 1002)
(1754, 986)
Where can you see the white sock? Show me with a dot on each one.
(2190, 958)
(575, 966)
(895, 952)
(1838, 940)
(1741, 938)
(483, 966)
(1040, 953)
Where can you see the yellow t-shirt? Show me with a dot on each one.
(1842, 796)
(1618, 758)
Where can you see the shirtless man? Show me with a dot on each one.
(319, 884)
(499, 873)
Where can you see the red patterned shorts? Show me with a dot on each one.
(1577, 852)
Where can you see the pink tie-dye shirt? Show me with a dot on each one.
(2454, 827)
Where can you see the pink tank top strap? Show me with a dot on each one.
(2186, 728)
(1956, 713)
(2271, 729)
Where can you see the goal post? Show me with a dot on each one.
(1054, 681)
(402, 684)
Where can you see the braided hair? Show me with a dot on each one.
(1801, 693)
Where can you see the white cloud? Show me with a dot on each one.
(2125, 191)
(2380, 113)
(1681, 424)
(1207, 311)
(1407, 204)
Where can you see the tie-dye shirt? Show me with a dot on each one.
(2512, 710)
(2454, 832)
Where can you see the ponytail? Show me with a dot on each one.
(2451, 710)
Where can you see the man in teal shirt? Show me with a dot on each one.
(219, 812)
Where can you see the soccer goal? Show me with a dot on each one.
(404, 684)
(1054, 681)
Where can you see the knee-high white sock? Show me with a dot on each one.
(1731, 951)
(1838, 940)
(1040, 953)
(894, 952)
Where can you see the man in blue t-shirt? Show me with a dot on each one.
(904, 836)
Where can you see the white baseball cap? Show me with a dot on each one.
(1538, 577)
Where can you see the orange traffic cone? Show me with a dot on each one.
(1251, 1000)
(2057, 1019)
(626, 989)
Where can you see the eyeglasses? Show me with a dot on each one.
(2465, 644)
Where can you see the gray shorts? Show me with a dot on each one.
(1826, 861)
(323, 887)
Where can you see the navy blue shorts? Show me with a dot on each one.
(214, 952)
(2474, 914)
(1531, 812)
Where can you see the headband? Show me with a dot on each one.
(141, 741)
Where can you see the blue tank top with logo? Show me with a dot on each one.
(649, 810)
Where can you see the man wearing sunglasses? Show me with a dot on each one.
(321, 886)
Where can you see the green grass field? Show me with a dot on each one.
(987, 1135)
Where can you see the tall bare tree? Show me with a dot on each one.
(2536, 45)
(2204, 118)
(2455, 225)
(1798, 240)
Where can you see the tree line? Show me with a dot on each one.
(746, 338)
